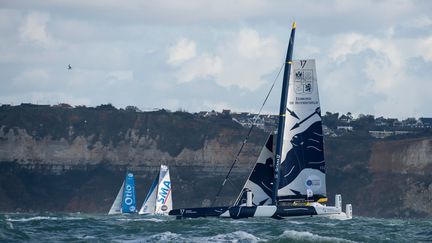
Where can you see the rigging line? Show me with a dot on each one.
(248, 134)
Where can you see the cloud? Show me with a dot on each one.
(423, 21)
(425, 47)
(372, 56)
(250, 57)
(203, 66)
(183, 55)
(34, 30)
(251, 45)
(384, 66)
(383, 79)
(120, 76)
(241, 59)
(33, 77)
(183, 51)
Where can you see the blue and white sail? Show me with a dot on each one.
(260, 180)
(129, 201)
(149, 205)
(117, 204)
(164, 192)
(302, 170)
(159, 197)
(125, 201)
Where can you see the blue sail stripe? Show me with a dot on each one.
(152, 188)
(128, 201)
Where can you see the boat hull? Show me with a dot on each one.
(278, 212)
(198, 212)
(239, 212)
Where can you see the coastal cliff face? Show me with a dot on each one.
(72, 160)
(386, 178)
(133, 150)
(55, 159)
(404, 168)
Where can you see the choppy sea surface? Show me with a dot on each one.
(96, 228)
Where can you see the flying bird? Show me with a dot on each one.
(69, 67)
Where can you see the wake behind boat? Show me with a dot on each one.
(159, 198)
(288, 180)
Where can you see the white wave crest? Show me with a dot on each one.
(295, 222)
(165, 236)
(32, 219)
(142, 219)
(71, 218)
(41, 218)
(307, 236)
(9, 225)
(237, 236)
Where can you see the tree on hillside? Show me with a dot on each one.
(330, 119)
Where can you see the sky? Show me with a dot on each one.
(373, 57)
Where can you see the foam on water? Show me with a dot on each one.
(237, 221)
(161, 237)
(86, 237)
(237, 236)
(142, 219)
(37, 218)
(295, 222)
(31, 219)
(308, 236)
(9, 225)
(165, 236)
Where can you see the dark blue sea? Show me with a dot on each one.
(103, 228)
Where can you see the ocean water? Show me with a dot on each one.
(97, 228)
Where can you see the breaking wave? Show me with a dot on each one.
(307, 236)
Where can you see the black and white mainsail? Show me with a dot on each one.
(302, 168)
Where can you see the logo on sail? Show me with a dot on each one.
(164, 191)
(303, 81)
(128, 196)
(313, 182)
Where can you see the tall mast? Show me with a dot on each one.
(282, 112)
